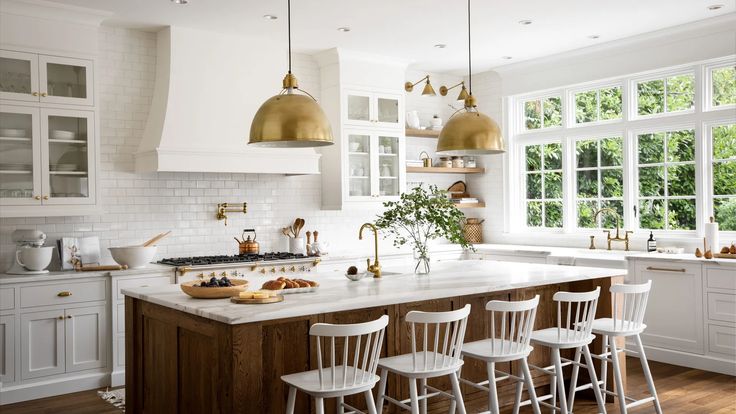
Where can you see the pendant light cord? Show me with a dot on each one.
(288, 19)
(470, 67)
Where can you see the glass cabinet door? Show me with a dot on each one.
(388, 166)
(387, 110)
(18, 76)
(65, 80)
(68, 157)
(359, 165)
(20, 154)
(358, 108)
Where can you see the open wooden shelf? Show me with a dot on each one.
(444, 170)
(422, 133)
(470, 205)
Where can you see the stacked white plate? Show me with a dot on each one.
(60, 134)
(13, 133)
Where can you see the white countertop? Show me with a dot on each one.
(684, 257)
(337, 293)
(151, 268)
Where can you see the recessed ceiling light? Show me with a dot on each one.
(715, 7)
(506, 57)
(270, 17)
(593, 36)
(525, 22)
(180, 1)
(440, 45)
(343, 29)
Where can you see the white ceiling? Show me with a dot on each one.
(408, 29)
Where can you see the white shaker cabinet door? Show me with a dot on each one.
(42, 343)
(7, 349)
(86, 338)
(674, 314)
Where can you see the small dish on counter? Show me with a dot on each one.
(286, 286)
(193, 289)
(356, 277)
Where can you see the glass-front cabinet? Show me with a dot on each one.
(46, 156)
(373, 165)
(47, 79)
(373, 109)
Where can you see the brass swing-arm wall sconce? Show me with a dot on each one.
(224, 208)
(463, 92)
(428, 89)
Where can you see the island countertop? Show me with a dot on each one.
(336, 293)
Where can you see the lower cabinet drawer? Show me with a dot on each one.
(721, 278)
(63, 293)
(722, 339)
(721, 307)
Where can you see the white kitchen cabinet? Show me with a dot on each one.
(364, 108)
(48, 161)
(42, 343)
(86, 338)
(374, 165)
(674, 314)
(7, 348)
(32, 77)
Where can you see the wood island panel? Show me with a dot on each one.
(183, 363)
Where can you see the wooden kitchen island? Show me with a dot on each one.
(186, 355)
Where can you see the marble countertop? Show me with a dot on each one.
(336, 293)
(152, 268)
(684, 257)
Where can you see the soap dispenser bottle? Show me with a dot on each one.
(651, 243)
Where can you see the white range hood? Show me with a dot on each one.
(208, 87)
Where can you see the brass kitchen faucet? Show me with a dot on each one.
(610, 239)
(374, 268)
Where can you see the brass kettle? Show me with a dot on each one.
(248, 245)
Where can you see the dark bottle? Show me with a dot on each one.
(651, 243)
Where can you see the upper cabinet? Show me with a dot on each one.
(33, 77)
(373, 109)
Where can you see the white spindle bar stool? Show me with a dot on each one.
(508, 346)
(629, 305)
(339, 378)
(575, 333)
(438, 355)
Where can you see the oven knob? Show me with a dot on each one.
(292, 268)
(283, 270)
(263, 270)
(273, 270)
(201, 275)
(213, 274)
(223, 274)
(235, 273)
(302, 268)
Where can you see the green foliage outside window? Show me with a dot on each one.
(676, 93)
(600, 180)
(724, 176)
(544, 185)
(543, 113)
(667, 180)
(724, 85)
(598, 105)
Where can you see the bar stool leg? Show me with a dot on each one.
(291, 401)
(517, 396)
(492, 392)
(648, 374)
(604, 366)
(457, 393)
(338, 402)
(618, 382)
(574, 378)
(370, 403)
(413, 396)
(560, 379)
(320, 405)
(529, 387)
(594, 380)
(423, 393)
(381, 389)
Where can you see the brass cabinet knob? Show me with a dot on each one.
(223, 274)
(273, 270)
(37, 197)
(292, 268)
(263, 270)
(44, 94)
(201, 275)
(34, 93)
(45, 197)
(61, 318)
(283, 270)
(64, 294)
(68, 316)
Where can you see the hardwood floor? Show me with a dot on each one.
(681, 391)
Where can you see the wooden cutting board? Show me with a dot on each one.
(272, 299)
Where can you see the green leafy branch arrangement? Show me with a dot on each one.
(422, 215)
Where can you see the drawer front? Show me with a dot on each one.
(722, 339)
(721, 278)
(63, 293)
(141, 282)
(7, 299)
(721, 307)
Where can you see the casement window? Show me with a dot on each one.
(658, 148)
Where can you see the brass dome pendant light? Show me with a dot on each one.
(469, 132)
(290, 120)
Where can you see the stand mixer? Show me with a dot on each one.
(29, 239)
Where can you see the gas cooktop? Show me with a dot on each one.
(245, 258)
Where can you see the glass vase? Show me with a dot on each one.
(422, 261)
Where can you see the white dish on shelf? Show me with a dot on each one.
(13, 133)
(64, 167)
(61, 134)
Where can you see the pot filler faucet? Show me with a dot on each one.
(374, 268)
(610, 239)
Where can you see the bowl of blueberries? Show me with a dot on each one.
(214, 288)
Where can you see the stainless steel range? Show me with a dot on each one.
(199, 267)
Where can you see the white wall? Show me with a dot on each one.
(680, 45)
(136, 206)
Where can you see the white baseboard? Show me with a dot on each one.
(117, 378)
(50, 388)
(711, 363)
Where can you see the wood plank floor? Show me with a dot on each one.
(681, 391)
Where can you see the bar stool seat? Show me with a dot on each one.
(309, 382)
(607, 326)
(555, 338)
(491, 349)
(404, 365)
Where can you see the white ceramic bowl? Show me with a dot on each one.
(356, 277)
(133, 256)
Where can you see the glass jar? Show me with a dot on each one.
(458, 162)
(445, 162)
(470, 162)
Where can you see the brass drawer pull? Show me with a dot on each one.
(61, 318)
(64, 294)
(664, 269)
